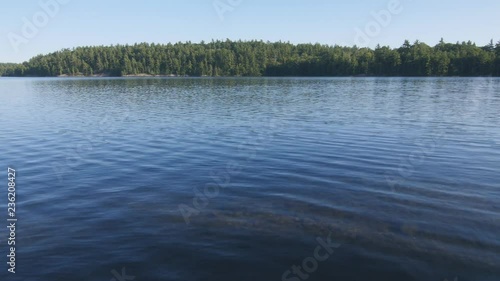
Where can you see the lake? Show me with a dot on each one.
(253, 178)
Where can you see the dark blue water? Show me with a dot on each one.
(253, 179)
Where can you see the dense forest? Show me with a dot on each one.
(258, 58)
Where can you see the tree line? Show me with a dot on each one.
(258, 58)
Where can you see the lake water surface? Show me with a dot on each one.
(250, 179)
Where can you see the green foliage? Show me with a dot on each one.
(11, 69)
(258, 58)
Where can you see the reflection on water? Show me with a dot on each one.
(237, 178)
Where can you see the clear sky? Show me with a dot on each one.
(105, 22)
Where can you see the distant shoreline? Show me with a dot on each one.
(264, 59)
(144, 75)
(128, 75)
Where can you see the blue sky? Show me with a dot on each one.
(105, 22)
